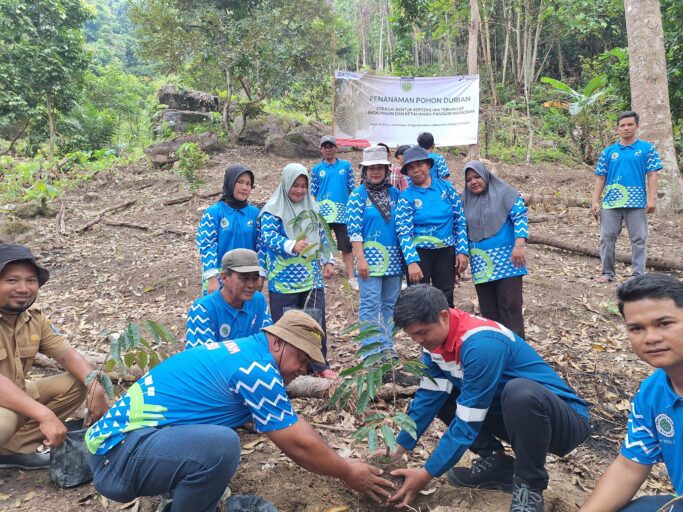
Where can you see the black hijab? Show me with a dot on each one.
(232, 174)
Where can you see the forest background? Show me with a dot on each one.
(78, 78)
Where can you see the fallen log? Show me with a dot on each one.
(656, 262)
(95, 359)
(185, 199)
(307, 386)
(535, 219)
(99, 216)
(530, 199)
(157, 229)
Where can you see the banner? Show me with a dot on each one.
(394, 110)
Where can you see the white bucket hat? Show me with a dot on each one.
(374, 155)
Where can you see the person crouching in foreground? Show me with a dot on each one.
(173, 431)
(487, 384)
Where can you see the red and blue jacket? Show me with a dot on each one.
(478, 358)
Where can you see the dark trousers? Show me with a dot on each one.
(193, 462)
(662, 502)
(534, 420)
(501, 301)
(438, 268)
(280, 302)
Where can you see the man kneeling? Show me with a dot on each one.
(173, 430)
(486, 383)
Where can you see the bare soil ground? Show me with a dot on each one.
(109, 275)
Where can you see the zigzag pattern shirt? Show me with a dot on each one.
(490, 257)
(440, 167)
(287, 272)
(655, 427)
(212, 319)
(626, 168)
(221, 229)
(225, 384)
(478, 357)
(380, 242)
(331, 185)
(430, 218)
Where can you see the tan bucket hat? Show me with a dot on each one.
(374, 155)
(300, 330)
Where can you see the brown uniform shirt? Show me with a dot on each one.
(20, 342)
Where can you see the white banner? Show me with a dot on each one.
(394, 110)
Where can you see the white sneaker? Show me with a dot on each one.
(353, 283)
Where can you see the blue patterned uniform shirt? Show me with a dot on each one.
(440, 167)
(655, 427)
(490, 257)
(430, 218)
(224, 384)
(223, 228)
(625, 168)
(287, 272)
(331, 185)
(380, 242)
(212, 319)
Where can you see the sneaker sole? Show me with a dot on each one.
(498, 486)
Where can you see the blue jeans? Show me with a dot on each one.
(193, 462)
(653, 504)
(378, 296)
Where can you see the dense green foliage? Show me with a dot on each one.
(87, 72)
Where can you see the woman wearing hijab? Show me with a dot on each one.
(497, 231)
(431, 226)
(371, 213)
(294, 281)
(230, 223)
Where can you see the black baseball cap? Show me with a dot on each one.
(15, 253)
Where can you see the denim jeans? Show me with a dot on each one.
(193, 462)
(653, 504)
(378, 296)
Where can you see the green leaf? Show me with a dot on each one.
(308, 248)
(346, 396)
(372, 441)
(109, 365)
(406, 423)
(363, 401)
(107, 384)
(351, 371)
(389, 438)
(596, 83)
(360, 434)
(368, 349)
(338, 393)
(560, 86)
(368, 332)
(355, 326)
(90, 377)
(374, 417)
(154, 359)
(129, 359)
(371, 360)
(142, 358)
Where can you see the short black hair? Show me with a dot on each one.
(401, 149)
(385, 147)
(228, 271)
(628, 113)
(650, 286)
(419, 303)
(425, 140)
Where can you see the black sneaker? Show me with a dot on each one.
(28, 461)
(492, 471)
(525, 498)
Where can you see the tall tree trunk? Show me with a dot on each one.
(487, 54)
(51, 125)
(650, 92)
(472, 62)
(390, 36)
(507, 13)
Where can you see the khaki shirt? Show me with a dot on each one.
(20, 342)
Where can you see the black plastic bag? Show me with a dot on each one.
(69, 461)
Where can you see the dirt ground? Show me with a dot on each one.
(108, 276)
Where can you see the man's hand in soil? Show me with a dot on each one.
(365, 478)
(384, 452)
(415, 481)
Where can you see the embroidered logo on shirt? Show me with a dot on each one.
(225, 223)
(443, 195)
(418, 203)
(322, 174)
(665, 425)
(368, 203)
(615, 155)
(250, 223)
(342, 171)
(225, 330)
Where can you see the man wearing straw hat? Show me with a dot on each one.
(173, 432)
